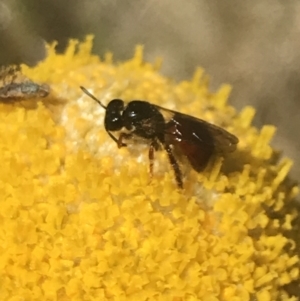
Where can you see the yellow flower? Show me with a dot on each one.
(80, 219)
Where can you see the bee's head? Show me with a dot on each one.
(113, 118)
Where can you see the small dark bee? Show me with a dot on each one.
(175, 132)
(15, 86)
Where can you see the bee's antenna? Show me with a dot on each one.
(92, 96)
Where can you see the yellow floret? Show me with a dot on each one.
(81, 219)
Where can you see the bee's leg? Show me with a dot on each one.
(175, 166)
(113, 138)
(152, 148)
(121, 138)
(151, 159)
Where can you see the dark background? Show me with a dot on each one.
(253, 45)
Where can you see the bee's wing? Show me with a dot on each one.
(197, 139)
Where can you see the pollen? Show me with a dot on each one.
(81, 219)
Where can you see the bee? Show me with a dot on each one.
(161, 128)
(15, 86)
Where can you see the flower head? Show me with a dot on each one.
(80, 219)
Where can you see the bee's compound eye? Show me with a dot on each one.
(116, 105)
(113, 117)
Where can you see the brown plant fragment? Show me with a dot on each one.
(16, 86)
